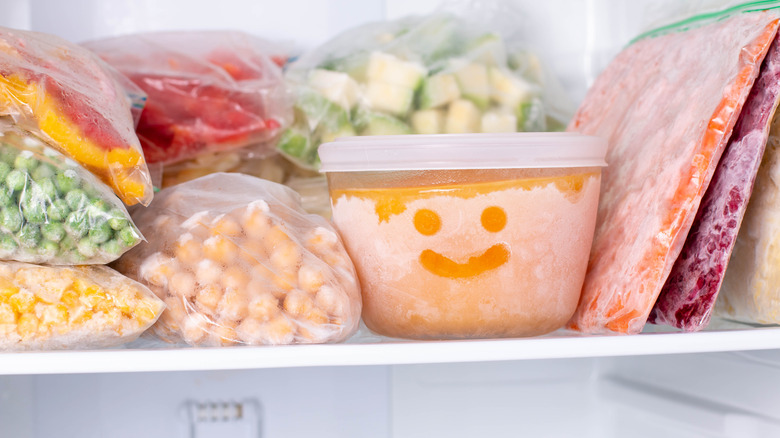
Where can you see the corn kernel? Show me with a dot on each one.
(7, 314)
(70, 298)
(92, 296)
(27, 326)
(22, 302)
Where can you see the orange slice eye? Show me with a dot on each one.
(427, 222)
(494, 219)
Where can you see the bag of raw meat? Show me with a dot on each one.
(448, 72)
(667, 104)
(206, 91)
(65, 94)
(77, 307)
(237, 261)
(54, 211)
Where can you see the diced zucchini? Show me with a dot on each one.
(463, 117)
(474, 85)
(383, 124)
(389, 69)
(337, 87)
(438, 90)
(507, 89)
(495, 121)
(295, 142)
(530, 116)
(430, 121)
(394, 99)
(344, 131)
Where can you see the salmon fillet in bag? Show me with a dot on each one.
(688, 297)
(667, 105)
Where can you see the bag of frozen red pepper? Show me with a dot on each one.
(69, 97)
(207, 91)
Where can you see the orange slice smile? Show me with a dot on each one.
(442, 266)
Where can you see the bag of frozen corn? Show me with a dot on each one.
(237, 261)
(207, 91)
(71, 98)
(78, 307)
(52, 210)
(433, 74)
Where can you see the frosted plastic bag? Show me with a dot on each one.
(667, 122)
(751, 288)
(78, 307)
(237, 261)
(688, 297)
(54, 211)
(71, 98)
(435, 74)
(207, 91)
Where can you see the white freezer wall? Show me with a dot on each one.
(575, 38)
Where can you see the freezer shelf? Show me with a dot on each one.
(371, 350)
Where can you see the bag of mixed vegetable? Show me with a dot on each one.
(436, 74)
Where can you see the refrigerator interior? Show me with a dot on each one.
(584, 386)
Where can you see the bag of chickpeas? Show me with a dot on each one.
(238, 261)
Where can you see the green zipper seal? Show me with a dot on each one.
(709, 17)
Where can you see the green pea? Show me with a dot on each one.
(99, 205)
(33, 203)
(29, 235)
(117, 219)
(67, 243)
(67, 180)
(6, 196)
(53, 231)
(5, 169)
(48, 249)
(76, 199)
(48, 188)
(113, 247)
(45, 170)
(76, 224)
(8, 154)
(26, 161)
(100, 233)
(129, 236)
(87, 248)
(75, 257)
(16, 180)
(8, 245)
(11, 219)
(58, 210)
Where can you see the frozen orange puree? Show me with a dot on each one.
(488, 259)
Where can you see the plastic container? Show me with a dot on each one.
(466, 236)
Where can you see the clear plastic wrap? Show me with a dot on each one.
(78, 307)
(688, 297)
(207, 91)
(237, 261)
(71, 98)
(442, 73)
(52, 210)
(667, 105)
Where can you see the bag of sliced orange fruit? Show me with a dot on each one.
(73, 100)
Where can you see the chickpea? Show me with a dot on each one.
(220, 249)
(187, 249)
(207, 272)
(310, 278)
(233, 305)
(225, 225)
(235, 277)
(279, 331)
(263, 307)
(183, 284)
(297, 303)
(208, 298)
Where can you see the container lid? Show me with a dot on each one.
(463, 151)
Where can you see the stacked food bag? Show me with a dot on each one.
(686, 144)
(68, 158)
(436, 74)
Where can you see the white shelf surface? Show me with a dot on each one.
(371, 350)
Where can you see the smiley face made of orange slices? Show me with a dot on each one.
(428, 222)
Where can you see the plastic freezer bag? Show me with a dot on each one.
(78, 307)
(207, 91)
(751, 288)
(52, 210)
(237, 261)
(426, 75)
(688, 297)
(72, 99)
(667, 123)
